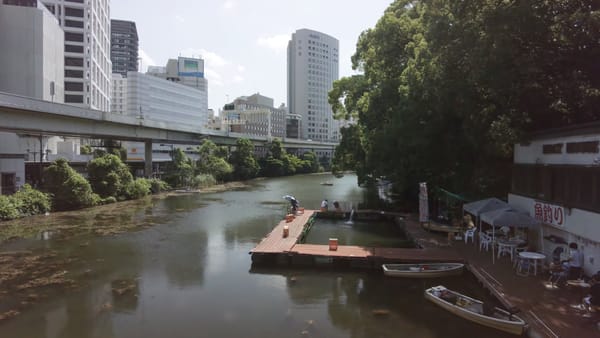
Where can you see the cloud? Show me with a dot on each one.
(214, 77)
(179, 18)
(229, 4)
(219, 71)
(210, 58)
(238, 79)
(278, 43)
(146, 60)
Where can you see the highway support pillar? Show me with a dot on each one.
(148, 159)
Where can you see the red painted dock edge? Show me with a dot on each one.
(275, 243)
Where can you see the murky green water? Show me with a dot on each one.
(384, 234)
(188, 273)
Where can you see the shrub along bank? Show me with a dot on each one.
(110, 179)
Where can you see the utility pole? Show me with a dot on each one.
(41, 169)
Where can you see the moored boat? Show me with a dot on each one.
(424, 270)
(432, 226)
(475, 310)
(326, 183)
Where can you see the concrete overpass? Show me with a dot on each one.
(20, 114)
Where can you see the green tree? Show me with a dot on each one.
(447, 87)
(8, 208)
(32, 201)
(109, 176)
(279, 162)
(85, 149)
(181, 170)
(211, 161)
(243, 161)
(310, 163)
(272, 167)
(138, 188)
(69, 190)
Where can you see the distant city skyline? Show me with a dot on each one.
(243, 43)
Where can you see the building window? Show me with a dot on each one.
(73, 49)
(73, 23)
(572, 186)
(74, 12)
(75, 37)
(78, 62)
(74, 73)
(582, 147)
(74, 86)
(74, 98)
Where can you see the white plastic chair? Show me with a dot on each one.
(470, 234)
(505, 249)
(484, 241)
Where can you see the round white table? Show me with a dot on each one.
(534, 257)
(505, 246)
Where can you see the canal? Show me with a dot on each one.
(184, 271)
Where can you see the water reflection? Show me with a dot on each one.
(180, 269)
(184, 258)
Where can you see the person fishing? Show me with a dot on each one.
(324, 205)
(295, 204)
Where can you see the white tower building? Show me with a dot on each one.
(313, 66)
(88, 67)
(188, 72)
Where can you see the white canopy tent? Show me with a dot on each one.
(507, 217)
(478, 207)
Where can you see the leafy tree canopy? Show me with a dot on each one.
(447, 87)
(109, 176)
(243, 161)
(68, 188)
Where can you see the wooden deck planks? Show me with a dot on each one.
(407, 255)
(274, 242)
(323, 250)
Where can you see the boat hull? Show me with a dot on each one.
(431, 226)
(516, 326)
(431, 270)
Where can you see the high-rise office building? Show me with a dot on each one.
(255, 115)
(188, 72)
(31, 61)
(123, 47)
(88, 68)
(153, 99)
(312, 68)
(31, 64)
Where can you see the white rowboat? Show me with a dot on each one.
(424, 270)
(475, 311)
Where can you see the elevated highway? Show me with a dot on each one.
(20, 114)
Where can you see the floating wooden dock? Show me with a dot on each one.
(275, 248)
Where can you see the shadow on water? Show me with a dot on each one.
(177, 266)
(373, 305)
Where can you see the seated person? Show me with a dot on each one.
(468, 222)
(593, 299)
(336, 205)
(324, 205)
(556, 253)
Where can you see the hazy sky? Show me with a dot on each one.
(243, 42)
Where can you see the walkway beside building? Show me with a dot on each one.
(549, 311)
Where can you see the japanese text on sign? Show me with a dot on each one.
(548, 213)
